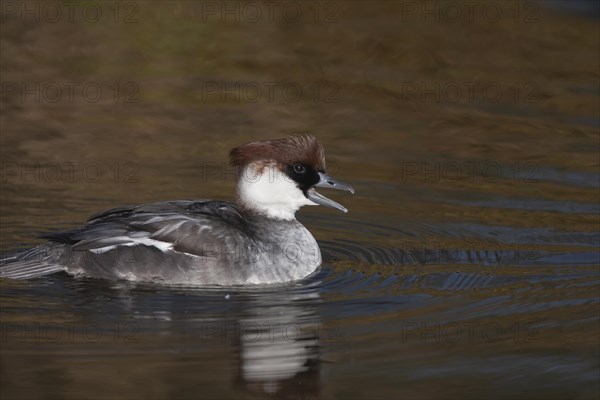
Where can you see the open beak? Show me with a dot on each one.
(328, 182)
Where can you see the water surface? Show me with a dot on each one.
(468, 266)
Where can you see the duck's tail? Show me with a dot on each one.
(31, 263)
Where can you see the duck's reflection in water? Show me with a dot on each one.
(177, 341)
(275, 334)
(279, 351)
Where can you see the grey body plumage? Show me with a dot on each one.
(199, 242)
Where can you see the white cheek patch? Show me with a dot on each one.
(270, 192)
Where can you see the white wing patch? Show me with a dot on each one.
(145, 238)
(146, 241)
(170, 228)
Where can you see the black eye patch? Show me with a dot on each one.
(305, 176)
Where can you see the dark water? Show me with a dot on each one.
(468, 266)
